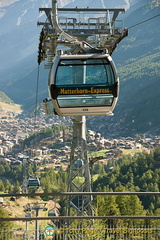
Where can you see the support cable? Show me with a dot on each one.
(144, 21)
(36, 100)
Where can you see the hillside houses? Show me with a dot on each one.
(13, 132)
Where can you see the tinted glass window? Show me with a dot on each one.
(85, 101)
(90, 71)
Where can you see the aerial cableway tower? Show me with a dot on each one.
(76, 45)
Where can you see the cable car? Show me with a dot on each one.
(33, 183)
(83, 85)
(78, 164)
(29, 215)
(52, 213)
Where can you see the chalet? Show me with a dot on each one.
(5, 149)
(38, 152)
(16, 162)
(108, 144)
(118, 153)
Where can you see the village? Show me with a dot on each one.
(14, 129)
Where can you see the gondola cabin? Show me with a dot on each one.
(52, 213)
(78, 164)
(82, 85)
(33, 183)
(29, 215)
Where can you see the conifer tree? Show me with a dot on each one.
(16, 188)
(7, 185)
(2, 189)
(5, 226)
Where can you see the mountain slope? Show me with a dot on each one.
(136, 57)
(140, 72)
(19, 39)
(138, 62)
(5, 98)
(100, 4)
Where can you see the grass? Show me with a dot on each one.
(8, 109)
(80, 180)
(2, 192)
(16, 209)
(130, 151)
(97, 153)
(125, 152)
(11, 107)
(95, 176)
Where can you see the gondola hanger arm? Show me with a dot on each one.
(68, 37)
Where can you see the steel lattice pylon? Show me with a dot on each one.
(82, 205)
(25, 174)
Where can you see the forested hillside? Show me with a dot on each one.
(133, 174)
(137, 59)
(140, 173)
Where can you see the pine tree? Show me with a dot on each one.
(5, 226)
(2, 189)
(7, 185)
(2, 170)
(16, 188)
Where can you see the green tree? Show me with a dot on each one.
(157, 155)
(107, 205)
(7, 185)
(7, 167)
(2, 189)
(16, 188)
(2, 169)
(135, 206)
(5, 226)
